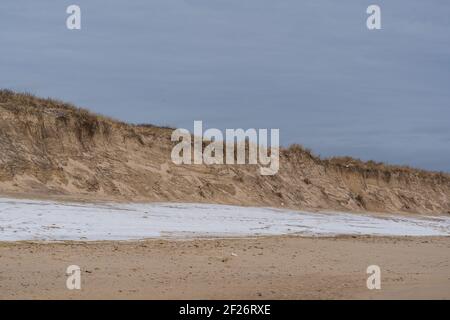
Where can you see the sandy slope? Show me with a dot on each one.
(262, 268)
(49, 148)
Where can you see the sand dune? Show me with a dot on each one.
(219, 231)
(52, 149)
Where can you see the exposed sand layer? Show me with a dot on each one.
(50, 148)
(49, 220)
(261, 268)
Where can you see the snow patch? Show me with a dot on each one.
(50, 220)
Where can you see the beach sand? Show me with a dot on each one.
(278, 267)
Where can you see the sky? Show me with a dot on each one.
(309, 68)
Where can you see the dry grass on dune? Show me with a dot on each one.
(53, 147)
(350, 163)
(23, 103)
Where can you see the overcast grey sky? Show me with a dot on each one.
(310, 68)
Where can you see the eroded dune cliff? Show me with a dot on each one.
(50, 148)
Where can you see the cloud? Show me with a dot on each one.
(310, 68)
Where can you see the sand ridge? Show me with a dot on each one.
(53, 149)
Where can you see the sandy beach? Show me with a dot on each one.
(225, 150)
(285, 267)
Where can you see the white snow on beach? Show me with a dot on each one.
(54, 221)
